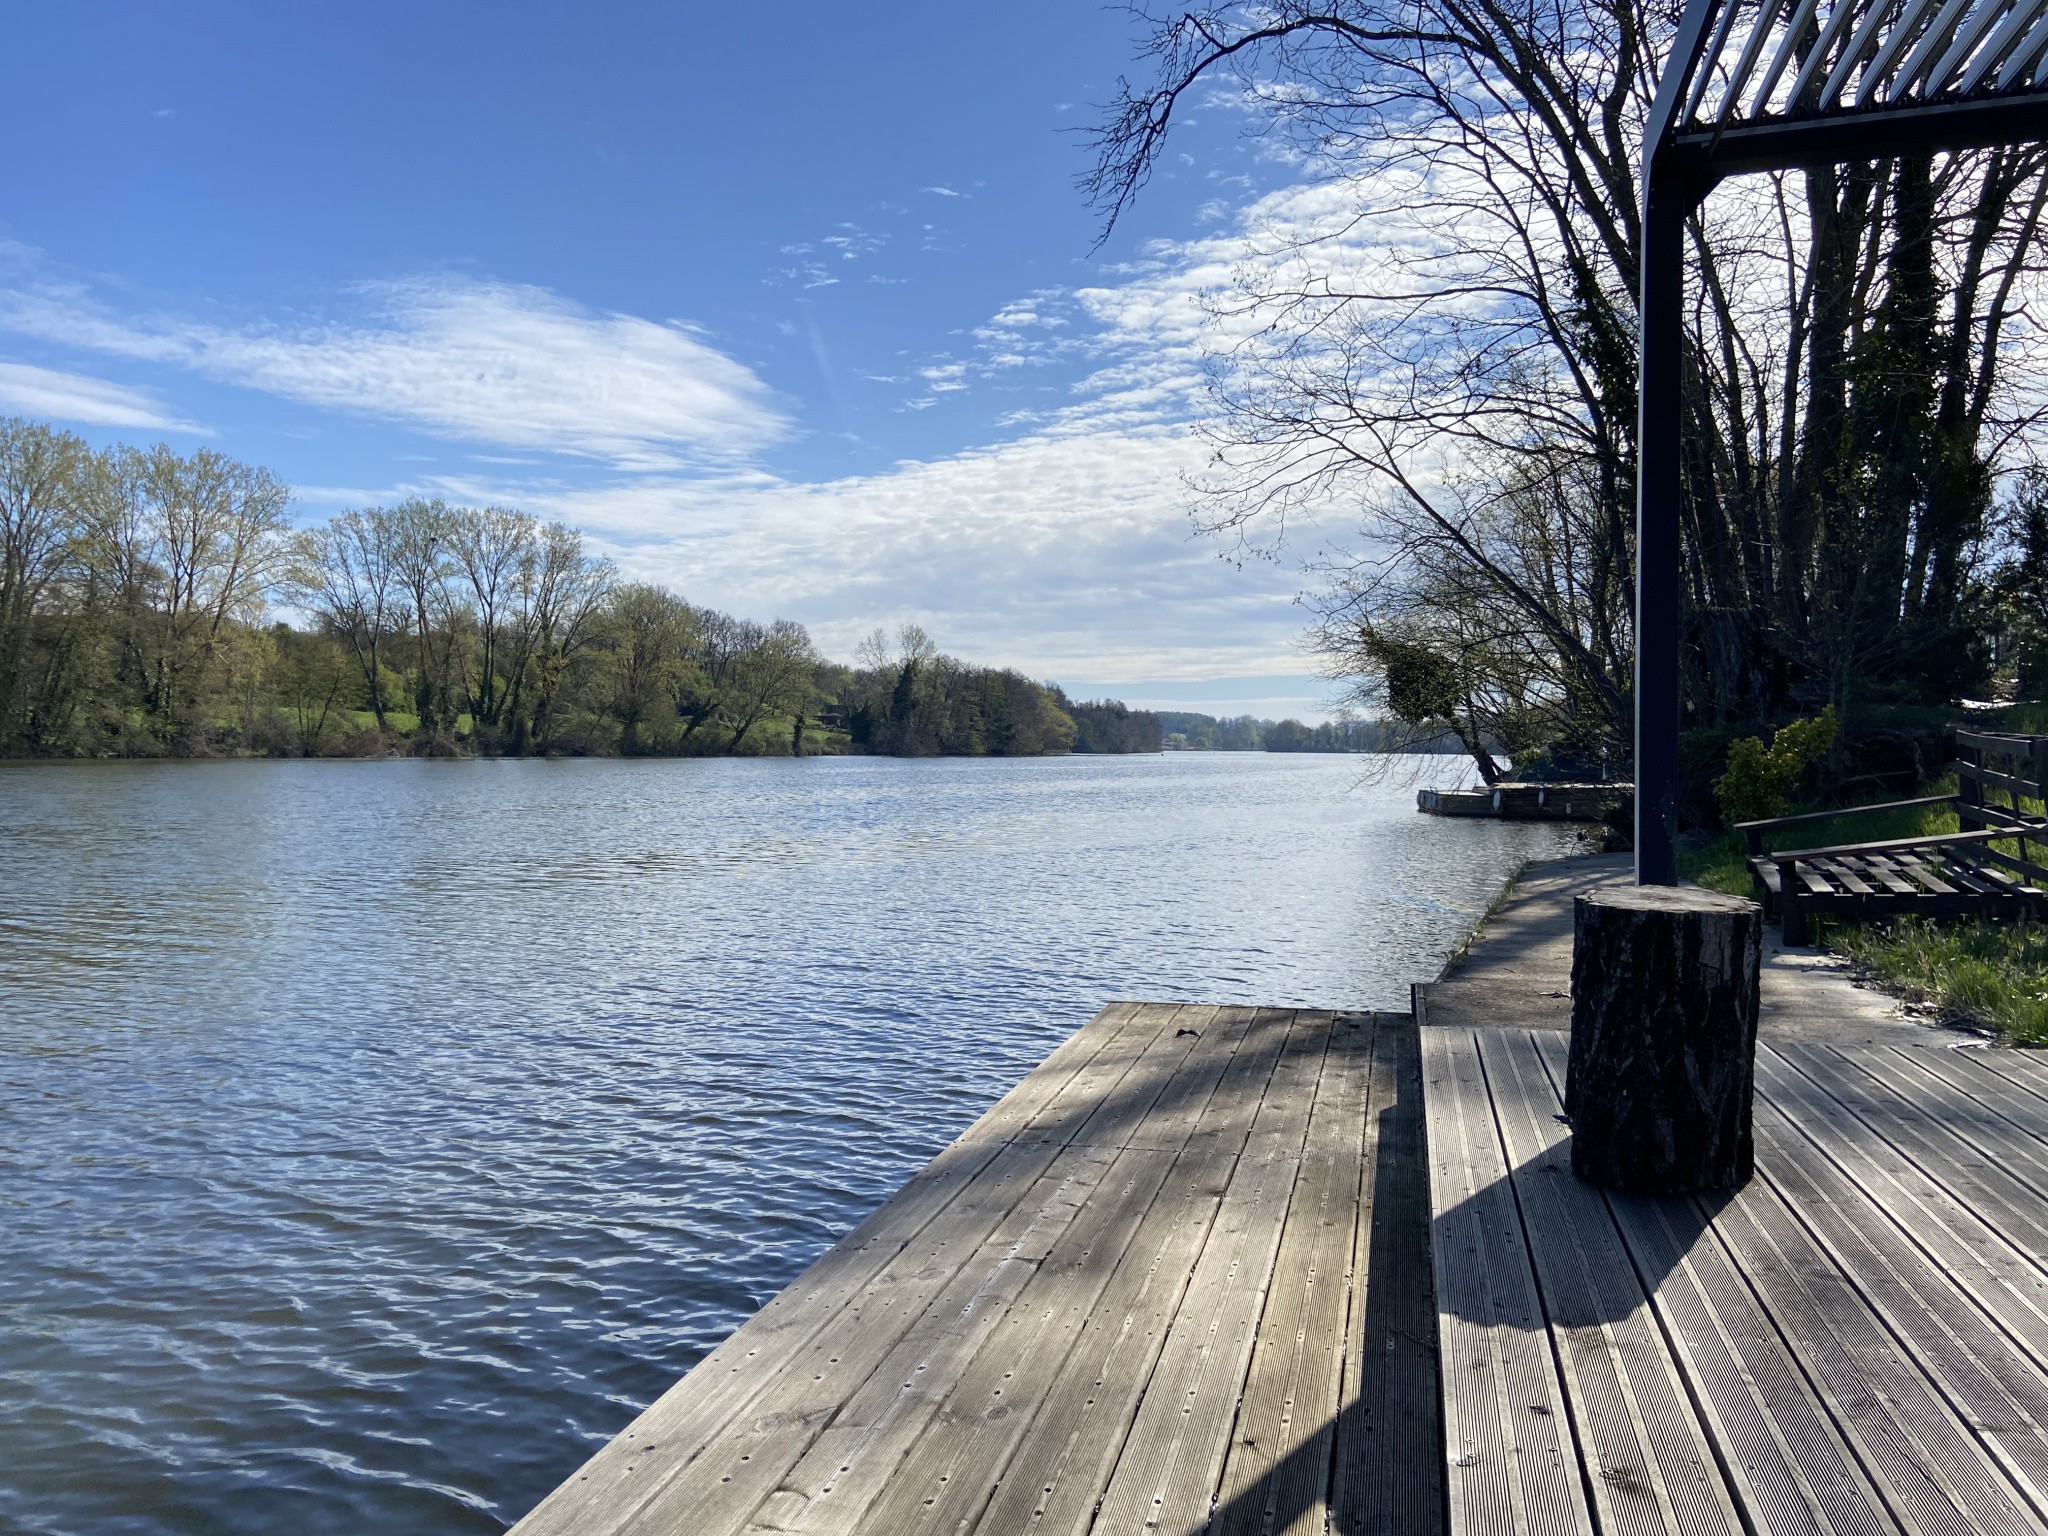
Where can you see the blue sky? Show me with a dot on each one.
(798, 315)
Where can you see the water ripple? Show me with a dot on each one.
(377, 1138)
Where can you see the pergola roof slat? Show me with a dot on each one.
(1866, 58)
(2016, 22)
(1800, 20)
(1930, 47)
(1866, 39)
(1704, 77)
(1903, 32)
(1969, 33)
(1832, 29)
(2023, 58)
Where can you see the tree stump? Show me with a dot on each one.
(1664, 1009)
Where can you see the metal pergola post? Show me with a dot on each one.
(1806, 83)
(1659, 492)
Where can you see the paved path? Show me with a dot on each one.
(1518, 971)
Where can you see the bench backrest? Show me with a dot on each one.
(1996, 777)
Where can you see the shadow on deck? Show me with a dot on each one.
(1192, 1274)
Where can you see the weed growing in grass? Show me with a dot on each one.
(1994, 975)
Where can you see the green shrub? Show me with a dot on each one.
(1760, 780)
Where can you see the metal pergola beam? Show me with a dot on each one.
(1866, 135)
(1961, 74)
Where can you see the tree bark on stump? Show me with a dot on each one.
(1663, 1056)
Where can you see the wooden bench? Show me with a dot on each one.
(1983, 869)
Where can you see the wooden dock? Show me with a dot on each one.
(1176, 1280)
(1856, 1342)
(1193, 1275)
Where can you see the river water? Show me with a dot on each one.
(377, 1138)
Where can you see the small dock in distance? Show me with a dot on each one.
(1275, 1270)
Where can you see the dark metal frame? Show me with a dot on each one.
(1989, 86)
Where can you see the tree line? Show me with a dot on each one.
(140, 598)
(1188, 731)
(1454, 360)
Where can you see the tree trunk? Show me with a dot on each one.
(1664, 1010)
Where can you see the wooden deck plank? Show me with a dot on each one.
(1790, 1469)
(825, 1457)
(1512, 1464)
(1977, 1155)
(2000, 1395)
(805, 1412)
(1980, 1261)
(962, 1447)
(1982, 1075)
(1276, 1476)
(1172, 1460)
(1389, 1456)
(1065, 1457)
(1653, 1470)
(2027, 1069)
(1922, 1458)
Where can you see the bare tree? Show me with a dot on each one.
(496, 552)
(1454, 357)
(776, 676)
(566, 589)
(423, 565)
(196, 544)
(348, 574)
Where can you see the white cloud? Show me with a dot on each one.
(484, 362)
(1064, 556)
(74, 397)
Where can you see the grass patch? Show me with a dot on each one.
(1992, 975)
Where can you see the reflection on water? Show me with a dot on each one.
(377, 1138)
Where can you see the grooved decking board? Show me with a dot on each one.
(1513, 1463)
(1856, 1342)
(1165, 1277)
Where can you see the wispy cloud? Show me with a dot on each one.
(1064, 556)
(74, 397)
(482, 362)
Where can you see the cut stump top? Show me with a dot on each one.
(1668, 898)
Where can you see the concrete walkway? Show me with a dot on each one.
(1517, 971)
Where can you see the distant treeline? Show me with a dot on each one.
(1186, 732)
(139, 598)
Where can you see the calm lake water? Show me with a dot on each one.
(377, 1138)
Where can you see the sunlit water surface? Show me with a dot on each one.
(377, 1138)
